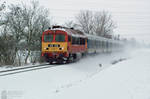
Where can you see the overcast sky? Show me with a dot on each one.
(132, 16)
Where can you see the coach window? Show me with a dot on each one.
(93, 45)
(89, 43)
(99, 44)
(69, 38)
(78, 41)
(73, 40)
(83, 41)
(102, 44)
(48, 38)
(110, 45)
(96, 43)
(113, 45)
(107, 44)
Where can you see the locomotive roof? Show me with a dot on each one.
(72, 32)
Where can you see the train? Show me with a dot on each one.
(64, 45)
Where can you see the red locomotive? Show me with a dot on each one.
(61, 44)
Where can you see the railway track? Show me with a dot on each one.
(24, 69)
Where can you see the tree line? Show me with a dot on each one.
(94, 23)
(21, 27)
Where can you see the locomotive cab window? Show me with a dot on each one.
(48, 38)
(60, 38)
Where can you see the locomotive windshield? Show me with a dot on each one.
(60, 38)
(48, 38)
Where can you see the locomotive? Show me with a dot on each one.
(61, 44)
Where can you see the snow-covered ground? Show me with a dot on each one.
(124, 75)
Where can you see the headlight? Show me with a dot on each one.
(46, 48)
(61, 48)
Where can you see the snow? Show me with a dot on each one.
(126, 80)
(93, 77)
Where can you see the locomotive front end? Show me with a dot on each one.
(54, 45)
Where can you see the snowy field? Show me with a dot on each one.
(121, 75)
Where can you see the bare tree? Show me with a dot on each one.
(15, 27)
(2, 7)
(103, 24)
(7, 54)
(25, 25)
(85, 21)
(36, 22)
(99, 23)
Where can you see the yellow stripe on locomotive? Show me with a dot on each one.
(54, 46)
